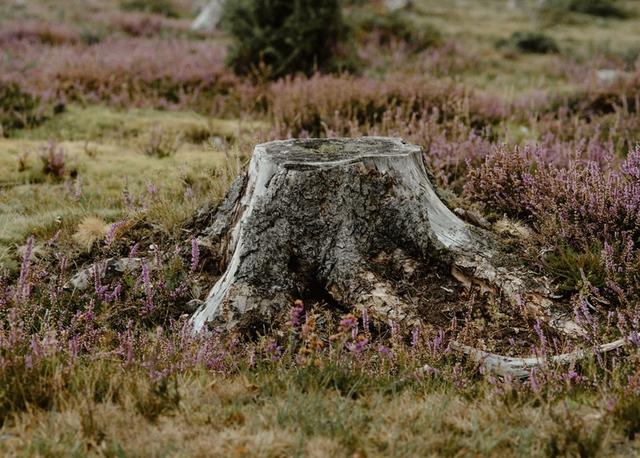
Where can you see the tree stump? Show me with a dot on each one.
(338, 217)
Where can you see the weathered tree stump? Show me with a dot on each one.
(336, 216)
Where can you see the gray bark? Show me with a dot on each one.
(340, 216)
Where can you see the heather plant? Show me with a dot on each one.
(280, 37)
(161, 143)
(53, 160)
(129, 72)
(583, 204)
(52, 360)
(313, 106)
(143, 25)
(52, 34)
(530, 42)
(395, 26)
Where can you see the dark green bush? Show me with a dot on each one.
(600, 8)
(531, 42)
(397, 26)
(280, 37)
(163, 7)
(18, 108)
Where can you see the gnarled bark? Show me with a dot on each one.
(338, 216)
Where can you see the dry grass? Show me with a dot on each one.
(90, 230)
(266, 415)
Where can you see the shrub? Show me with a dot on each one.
(161, 144)
(601, 8)
(37, 32)
(531, 42)
(589, 210)
(18, 108)
(163, 7)
(136, 25)
(327, 104)
(397, 26)
(127, 72)
(282, 37)
(53, 159)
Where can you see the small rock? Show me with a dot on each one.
(218, 143)
(85, 277)
(608, 76)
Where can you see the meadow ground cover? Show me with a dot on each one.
(119, 126)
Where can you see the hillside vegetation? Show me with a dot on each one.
(118, 125)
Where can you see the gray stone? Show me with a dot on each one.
(85, 278)
(608, 76)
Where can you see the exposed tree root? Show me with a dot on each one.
(521, 367)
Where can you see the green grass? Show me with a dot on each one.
(103, 148)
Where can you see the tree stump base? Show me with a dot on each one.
(341, 219)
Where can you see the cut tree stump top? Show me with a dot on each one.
(333, 151)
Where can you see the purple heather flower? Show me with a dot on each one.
(24, 283)
(297, 314)
(384, 350)
(415, 336)
(359, 345)
(195, 255)
(273, 350)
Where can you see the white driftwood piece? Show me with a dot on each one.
(319, 212)
(521, 367)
